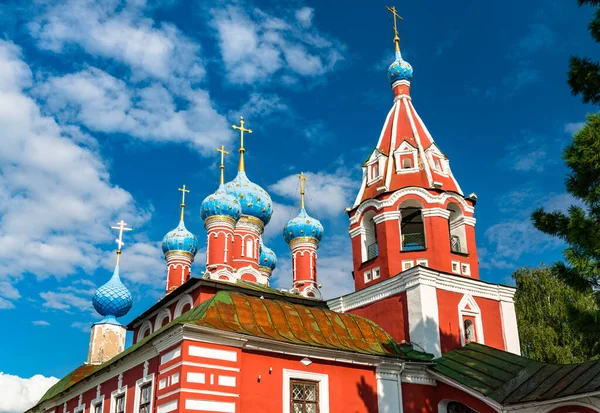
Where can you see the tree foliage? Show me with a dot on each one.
(584, 73)
(549, 315)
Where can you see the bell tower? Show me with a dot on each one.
(410, 209)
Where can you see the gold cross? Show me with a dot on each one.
(183, 192)
(241, 128)
(396, 15)
(302, 179)
(122, 226)
(222, 167)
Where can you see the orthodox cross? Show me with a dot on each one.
(183, 192)
(122, 226)
(396, 15)
(222, 167)
(241, 128)
(302, 179)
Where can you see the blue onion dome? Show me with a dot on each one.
(220, 204)
(302, 226)
(112, 299)
(267, 257)
(254, 200)
(180, 239)
(400, 69)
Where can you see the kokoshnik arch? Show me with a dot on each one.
(420, 333)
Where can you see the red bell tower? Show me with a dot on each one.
(410, 209)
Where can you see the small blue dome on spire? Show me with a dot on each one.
(112, 299)
(267, 257)
(220, 203)
(302, 226)
(254, 200)
(180, 239)
(400, 69)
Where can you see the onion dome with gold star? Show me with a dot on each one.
(267, 257)
(303, 225)
(254, 200)
(180, 239)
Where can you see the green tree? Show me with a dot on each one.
(549, 318)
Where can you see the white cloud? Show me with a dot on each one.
(54, 209)
(104, 103)
(67, 301)
(573, 127)
(141, 263)
(24, 393)
(327, 195)
(256, 45)
(82, 326)
(118, 31)
(40, 323)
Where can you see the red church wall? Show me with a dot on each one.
(352, 388)
(417, 398)
(444, 392)
(448, 302)
(390, 313)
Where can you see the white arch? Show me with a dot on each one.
(145, 327)
(162, 314)
(185, 299)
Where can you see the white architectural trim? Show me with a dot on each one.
(322, 379)
(138, 386)
(388, 172)
(474, 312)
(146, 326)
(185, 299)
(113, 397)
(419, 144)
(423, 193)
(420, 275)
(423, 318)
(162, 314)
(387, 216)
(417, 374)
(389, 388)
(435, 212)
(510, 329)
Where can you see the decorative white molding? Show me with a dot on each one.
(322, 379)
(389, 388)
(387, 216)
(420, 275)
(510, 328)
(138, 387)
(145, 327)
(162, 314)
(423, 318)
(474, 312)
(183, 300)
(212, 353)
(171, 355)
(417, 374)
(435, 212)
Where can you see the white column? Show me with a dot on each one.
(510, 330)
(389, 388)
(423, 318)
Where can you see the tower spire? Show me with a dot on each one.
(396, 37)
(222, 167)
(242, 166)
(183, 192)
(302, 179)
(122, 226)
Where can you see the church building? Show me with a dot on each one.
(421, 333)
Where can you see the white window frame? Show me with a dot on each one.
(375, 270)
(465, 269)
(249, 247)
(379, 160)
(79, 408)
(149, 379)
(162, 314)
(146, 325)
(185, 299)
(423, 261)
(113, 399)
(321, 379)
(474, 312)
(368, 276)
(405, 149)
(409, 262)
(457, 264)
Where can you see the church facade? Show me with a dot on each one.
(421, 332)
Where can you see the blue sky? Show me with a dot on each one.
(105, 109)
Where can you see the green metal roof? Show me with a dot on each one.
(510, 379)
(278, 320)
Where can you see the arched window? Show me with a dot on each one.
(144, 331)
(370, 249)
(469, 327)
(412, 229)
(249, 248)
(162, 319)
(456, 225)
(407, 163)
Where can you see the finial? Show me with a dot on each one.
(183, 191)
(302, 179)
(241, 128)
(122, 226)
(222, 167)
(396, 37)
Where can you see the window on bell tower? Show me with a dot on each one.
(370, 248)
(412, 229)
(456, 225)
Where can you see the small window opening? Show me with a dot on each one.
(469, 330)
(407, 163)
(412, 229)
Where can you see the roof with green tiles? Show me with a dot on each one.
(277, 320)
(510, 379)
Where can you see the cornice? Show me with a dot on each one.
(219, 221)
(304, 242)
(435, 212)
(417, 276)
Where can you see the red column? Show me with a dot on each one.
(219, 243)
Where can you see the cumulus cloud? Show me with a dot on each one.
(24, 393)
(104, 103)
(256, 45)
(121, 32)
(40, 323)
(53, 209)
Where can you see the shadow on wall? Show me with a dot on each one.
(430, 337)
(368, 395)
